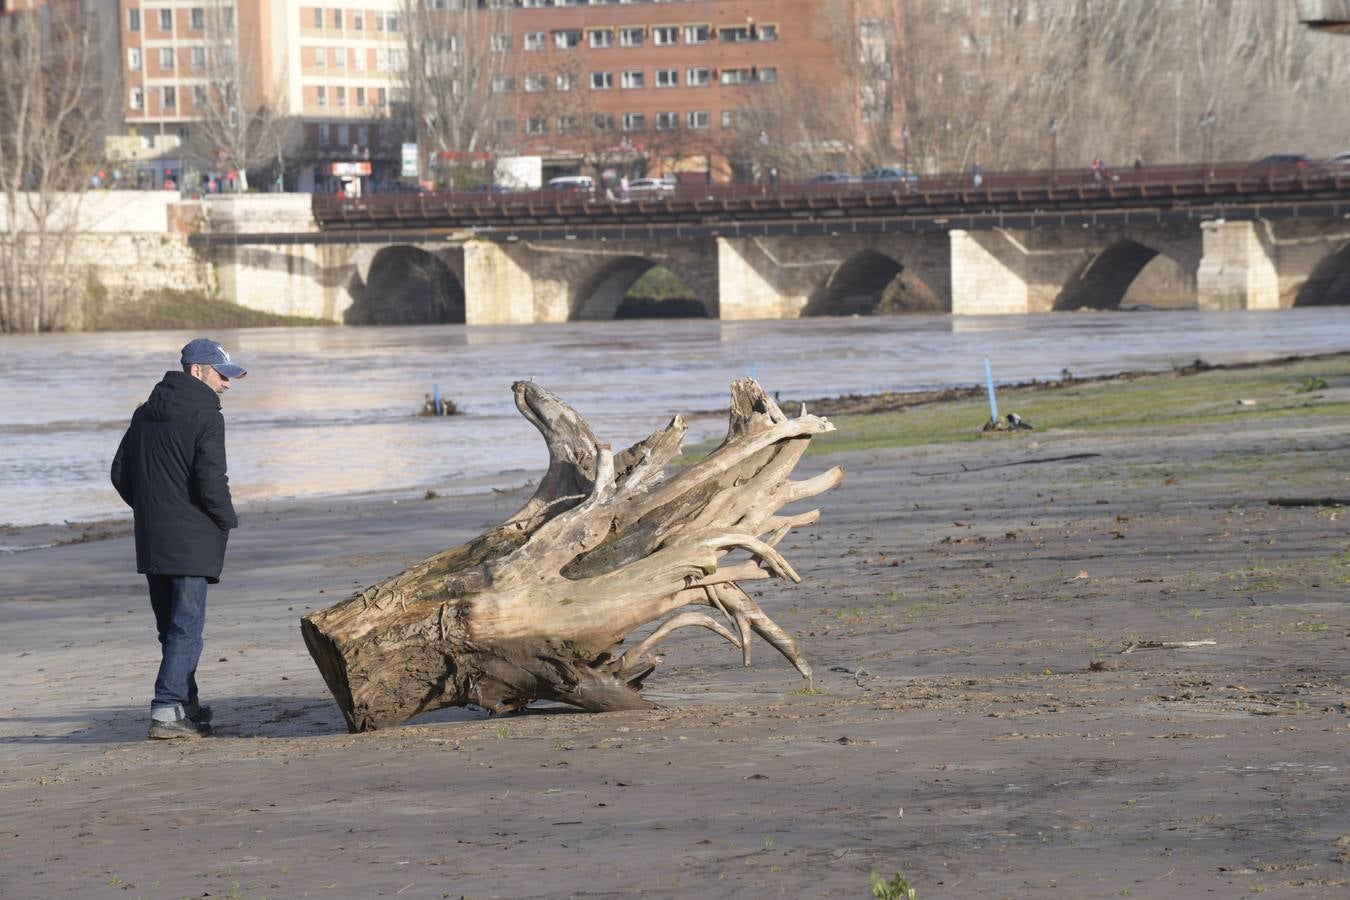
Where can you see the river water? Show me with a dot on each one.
(330, 410)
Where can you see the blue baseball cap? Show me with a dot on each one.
(206, 352)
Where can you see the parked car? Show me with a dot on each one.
(569, 183)
(825, 177)
(891, 173)
(1298, 160)
(650, 187)
(1340, 160)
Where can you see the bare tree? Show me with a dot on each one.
(1147, 79)
(457, 72)
(243, 122)
(49, 115)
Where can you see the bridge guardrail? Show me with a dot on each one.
(931, 195)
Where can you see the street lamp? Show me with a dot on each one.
(1207, 137)
(1054, 147)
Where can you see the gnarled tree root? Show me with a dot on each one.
(536, 607)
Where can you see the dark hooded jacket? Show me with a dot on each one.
(170, 469)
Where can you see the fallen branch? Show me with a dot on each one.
(1131, 646)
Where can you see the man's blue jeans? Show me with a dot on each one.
(179, 602)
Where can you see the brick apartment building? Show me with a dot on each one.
(670, 83)
(678, 75)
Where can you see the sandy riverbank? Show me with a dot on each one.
(977, 729)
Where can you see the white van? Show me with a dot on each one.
(572, 183)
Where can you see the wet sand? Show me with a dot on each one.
(976, 726)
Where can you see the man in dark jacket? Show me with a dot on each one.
(170, 469)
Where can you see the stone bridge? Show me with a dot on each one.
(411, 277)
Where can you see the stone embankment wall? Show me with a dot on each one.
(119, 247)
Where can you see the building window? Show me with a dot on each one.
(506, 126)
(381, 97)
(318, 17)
(170, 97)
(563, 81)
(536, 40)
(634, 122)
(359, 21)
(568, 125)
(665, 35)
(133, 20)
(737, 76)
(667, 78)
(698, 76)
(134, 58)
(536, 83)
(736, 118)
(321, 95)
(199, 96)
(697, 118)
(767, 32)
(166, 58)
(324, 133)
(166, 20)
(536, 125)
(667, 121)
(601, 38)
(503, 84)
(737, 34)
(360, 96)
(198, 18)
(339, 58)
(632, 37)
(398, 59)
(320, 57)
(768, 74)
(137, 98)
(341, 96)
(392, 23)
(500, 43)
(567, 39)
(337, 19)
(227, 19)
(359, 59)
(602, 81)
(197, 57)
(603, 122)
(632, 79)
(697, 34)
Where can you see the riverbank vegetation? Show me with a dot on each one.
(1213, 398)
(186, 310)
(1198, 395)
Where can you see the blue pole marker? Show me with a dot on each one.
(436, 395)
(989, 383)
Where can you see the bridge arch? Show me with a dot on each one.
(1329, 283)
(405, 285)
(605, 293)
(872, 282)
(1122, 269)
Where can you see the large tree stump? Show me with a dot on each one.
(537, 607)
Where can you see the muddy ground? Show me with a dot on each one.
(976, 727)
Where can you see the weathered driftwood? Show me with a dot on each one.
(537, 607)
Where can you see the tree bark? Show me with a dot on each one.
(536, 607)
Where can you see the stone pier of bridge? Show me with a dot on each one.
(1214, 265)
